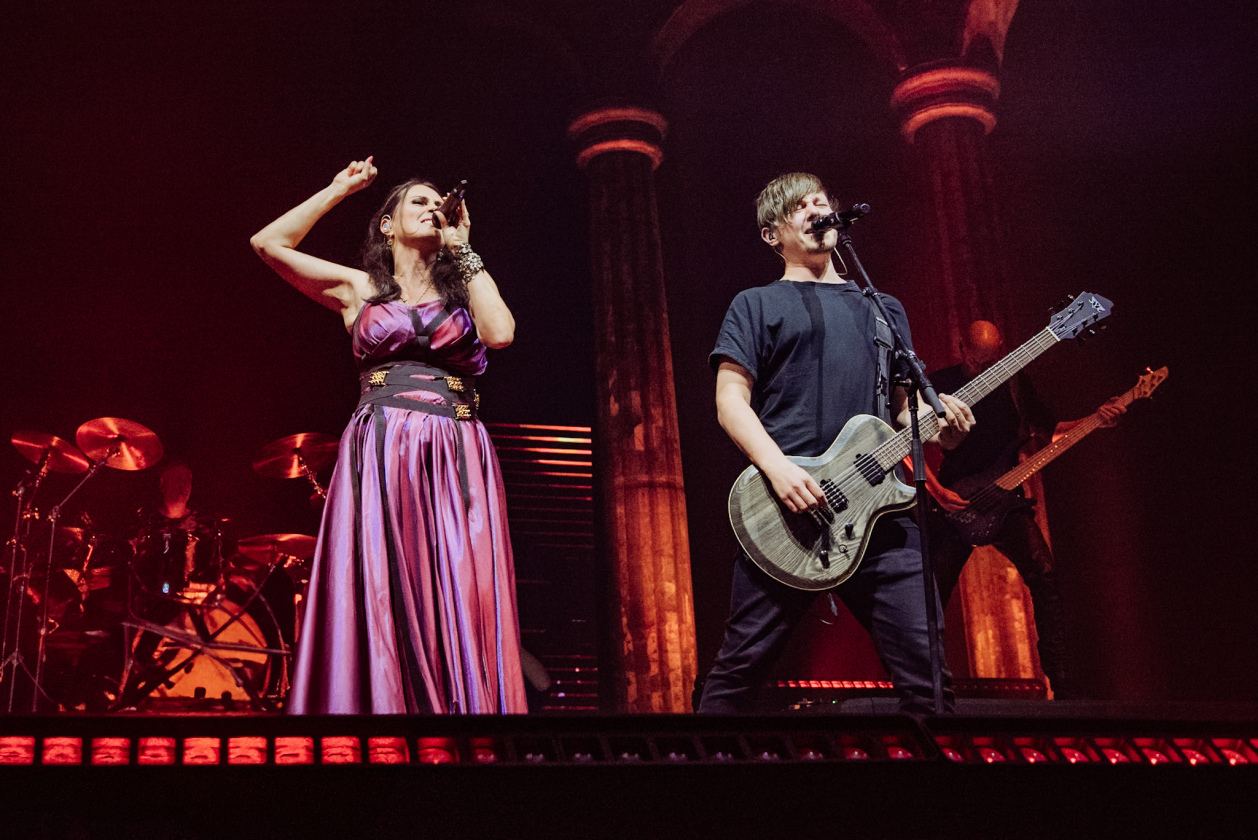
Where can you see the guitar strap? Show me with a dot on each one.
(884, 343)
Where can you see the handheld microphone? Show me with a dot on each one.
(839, 218)
(450, 206)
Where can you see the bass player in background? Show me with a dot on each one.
(795, 360)
(1006, 420)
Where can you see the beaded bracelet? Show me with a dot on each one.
(468, 262)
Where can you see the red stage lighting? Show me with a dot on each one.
(17, 749)
(294, 750)
(63, 751)
(111, 751)
(202, 750)
(158, 751)
(387, 751)
(485, 751)
(246, 750)
(341, 749)
(437, 751)
(1236, 751)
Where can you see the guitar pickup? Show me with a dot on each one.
(835, 498)
(870, 470)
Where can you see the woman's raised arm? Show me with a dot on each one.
(335, 286)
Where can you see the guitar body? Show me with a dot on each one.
(989, 503)
(993, 496)
(818, 550)
(795, 548)
(981, 520)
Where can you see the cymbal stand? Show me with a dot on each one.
(319, 489)
(53, 516)
(19, 571)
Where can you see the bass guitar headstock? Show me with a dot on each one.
(1077, 318)
(1149, 382)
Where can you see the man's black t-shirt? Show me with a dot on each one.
(810, 350)
(1002, 421)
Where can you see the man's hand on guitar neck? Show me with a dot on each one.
(956, 423)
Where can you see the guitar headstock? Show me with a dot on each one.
(1084, 311)
(1149, 382)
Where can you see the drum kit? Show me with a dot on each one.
(176, 608)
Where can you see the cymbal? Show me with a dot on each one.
(63, 456)
(265, 548)
(283, 458)
(137, 447)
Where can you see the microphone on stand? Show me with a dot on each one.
(839, 218)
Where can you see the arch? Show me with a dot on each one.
(857, 15)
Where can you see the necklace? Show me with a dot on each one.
(418, 297)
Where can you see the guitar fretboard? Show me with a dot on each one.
(895, 448)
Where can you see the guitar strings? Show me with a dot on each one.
(893, 450)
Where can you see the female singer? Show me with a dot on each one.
(411, 606)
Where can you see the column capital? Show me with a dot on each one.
(932, 93)
(619, 129)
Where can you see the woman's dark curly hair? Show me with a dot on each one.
(377, 256)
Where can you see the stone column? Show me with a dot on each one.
(945, 112)
(649, 625)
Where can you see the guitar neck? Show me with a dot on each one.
(1045, 456)
(895, 448)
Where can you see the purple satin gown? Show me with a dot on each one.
(438, 632)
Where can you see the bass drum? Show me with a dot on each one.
(230, 647)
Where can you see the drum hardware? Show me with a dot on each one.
(180, 559)
(204, 640)
(106, 442)
(209, 632)
(49, 453)
(292, 549)
(290, 552)
(297, 456)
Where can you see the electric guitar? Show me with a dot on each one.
(990, 501)
(822, 548)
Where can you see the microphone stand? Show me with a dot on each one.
(913, 377)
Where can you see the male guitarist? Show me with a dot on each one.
(794, 361)
(1008, 417)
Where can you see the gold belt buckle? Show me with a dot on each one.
(462, 411)
(454, 383)
(377, 377)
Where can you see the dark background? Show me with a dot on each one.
(145, 142)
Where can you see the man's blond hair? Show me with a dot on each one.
(782, 195)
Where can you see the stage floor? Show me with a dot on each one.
(996, 769)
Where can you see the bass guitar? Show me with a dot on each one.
(991, 501)
(822, 548)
